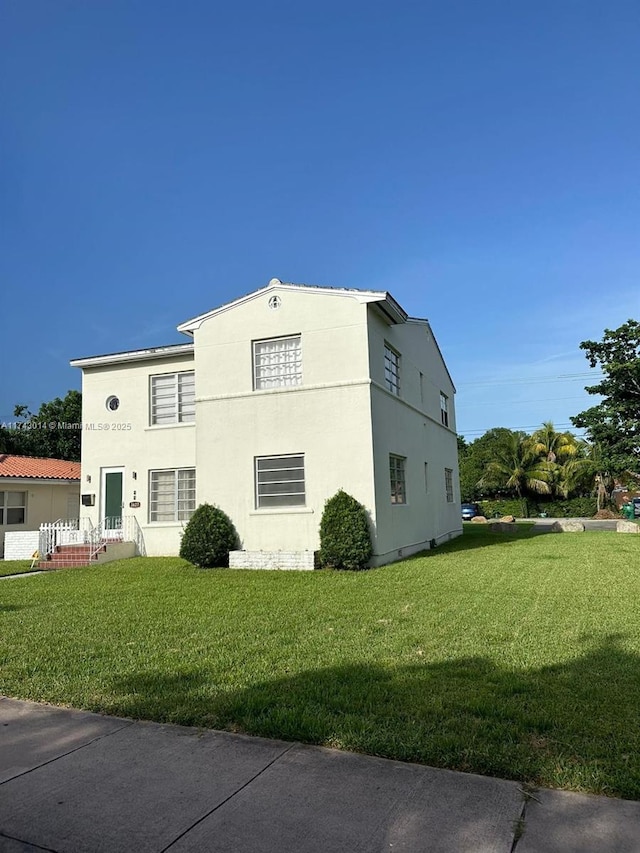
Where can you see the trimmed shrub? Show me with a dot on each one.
(345, 538)
(208, 538)
(498, 508)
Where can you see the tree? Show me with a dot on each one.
(555, 447)
(55, 431)
(475, 480)
(517, 467)
(614, 424)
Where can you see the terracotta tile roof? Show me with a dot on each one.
(32, 466)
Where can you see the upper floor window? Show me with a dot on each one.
(173, 398)
(448, 484)
(277, 363)
(13, 507)
(172, 494)
(280, 481)
(396, 474)
(444, 409)
(391, 370)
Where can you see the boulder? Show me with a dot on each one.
(627, 527)
(567, 527)
(479, 519)
(502, 527)
(508, 519)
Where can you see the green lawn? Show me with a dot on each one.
(516, 656)
(15, 567)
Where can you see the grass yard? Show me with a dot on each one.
(509, 655)
(15, 567)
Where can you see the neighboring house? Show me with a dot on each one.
(281, 398)
(34, 491)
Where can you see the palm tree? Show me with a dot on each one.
(554, 446)
(586, 472)
(517, 466)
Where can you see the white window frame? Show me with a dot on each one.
(277, 362)
(397, 479)
(179, 398)
(6, 506)
(278, 487)
(448, 484)
(444, 409)
(392, 360)
(182, 495)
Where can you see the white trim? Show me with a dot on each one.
(391, 308)
(170, 351)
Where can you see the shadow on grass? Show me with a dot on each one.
(570, 725)
(481, 536)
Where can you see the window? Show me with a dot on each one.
(444, 409)
(396, 474)
(448, 484)
(280, 481)
(173, 398)
(172, 494)
(277, 363)
(391, 370)
(13, 507)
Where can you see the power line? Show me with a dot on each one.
(565, 377)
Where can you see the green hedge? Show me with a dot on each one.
(573, 508)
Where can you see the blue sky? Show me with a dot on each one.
(479, 160)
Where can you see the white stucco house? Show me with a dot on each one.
(277, 400)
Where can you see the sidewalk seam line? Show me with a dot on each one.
(70, 752)
(230, 797)
(31, 843)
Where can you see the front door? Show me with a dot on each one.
(112, 502)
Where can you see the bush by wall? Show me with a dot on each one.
(208, 538)
(345, 538)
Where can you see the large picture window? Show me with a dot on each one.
(173, 398)
(13, 507)
(396, 475)
(277, 363)
(280, 481)
(172, 494)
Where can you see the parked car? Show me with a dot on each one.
(470, 511)
(636, 507)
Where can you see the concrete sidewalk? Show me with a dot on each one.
(75, 782)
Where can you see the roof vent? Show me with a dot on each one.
(274, 282)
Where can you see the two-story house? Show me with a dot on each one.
(279, 399)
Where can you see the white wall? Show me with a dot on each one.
(132, 443)
(327, 418)
(410, 426)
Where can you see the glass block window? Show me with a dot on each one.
(172, 494)
(173, 398)
(396, 475)
(277, 363)
(280, 481)
(448, 484)
(391, 370)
